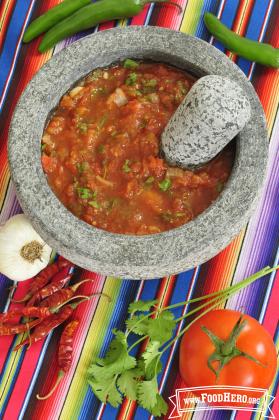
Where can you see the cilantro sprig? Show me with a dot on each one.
(120, 374)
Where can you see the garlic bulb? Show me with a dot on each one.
(23, 253)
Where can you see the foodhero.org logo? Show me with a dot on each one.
(221, 398)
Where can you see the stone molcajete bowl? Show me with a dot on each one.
(134, 257)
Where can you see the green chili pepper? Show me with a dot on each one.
(53, 16)
(251, 50)
(93, 14)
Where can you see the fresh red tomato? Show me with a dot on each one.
(202, 343)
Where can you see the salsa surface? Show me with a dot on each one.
(100, 152)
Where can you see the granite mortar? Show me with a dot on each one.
(129, 256)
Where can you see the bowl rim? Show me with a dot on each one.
(129, 255)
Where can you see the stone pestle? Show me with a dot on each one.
(214, 111)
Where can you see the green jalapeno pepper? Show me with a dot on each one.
(251, 50)
(92, 15)
(53, 16)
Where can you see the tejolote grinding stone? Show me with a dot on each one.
(212, 114)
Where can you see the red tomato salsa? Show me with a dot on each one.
(100, 152)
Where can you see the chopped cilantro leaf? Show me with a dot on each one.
(96, 74)
(131, 79)
(126, 167)
(182, 87)
(82, 126)
(130, 64)
(150, 83)
(94, 203)
(101, 148)
(179, 214)
(165, 184)
(102, 121)
(82, 167)
(84, 193)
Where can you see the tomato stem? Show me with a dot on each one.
(227, 350)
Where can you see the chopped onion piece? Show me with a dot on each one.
(74, 92)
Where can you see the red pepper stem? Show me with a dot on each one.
(60, 376)
(56, 308)
(76, 286)
(144, 2)
(74, 305)
(26, 297)
(84, 298)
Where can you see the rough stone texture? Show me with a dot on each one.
(122, 255)
(212, 114)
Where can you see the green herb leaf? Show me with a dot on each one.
(147, 393)
(94, 204)
(105, 390)
(116, 361)
(165, 184)
(182, 87)
(103, 120)
(100, 148)
(179, 214)
(141, 306)
(160, 408)
(82, 126)
(131, 79)
(84, 193)
(82, 167)
(149, 180)
(126, 167)
(150, 83)
(138, 324)
(96, 74)
(130, 64)
(151, 358)
(128, 382)
(43, 146)
(161, 328)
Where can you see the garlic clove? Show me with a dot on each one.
(23, 253)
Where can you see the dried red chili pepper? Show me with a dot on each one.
(47, 325)
(61, 296)
(32, 312)
(12, 329)
(44, 277)
(65, 355)
(58, 281)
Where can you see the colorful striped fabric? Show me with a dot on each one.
(26, 373)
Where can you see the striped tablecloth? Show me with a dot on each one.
(25, 373)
